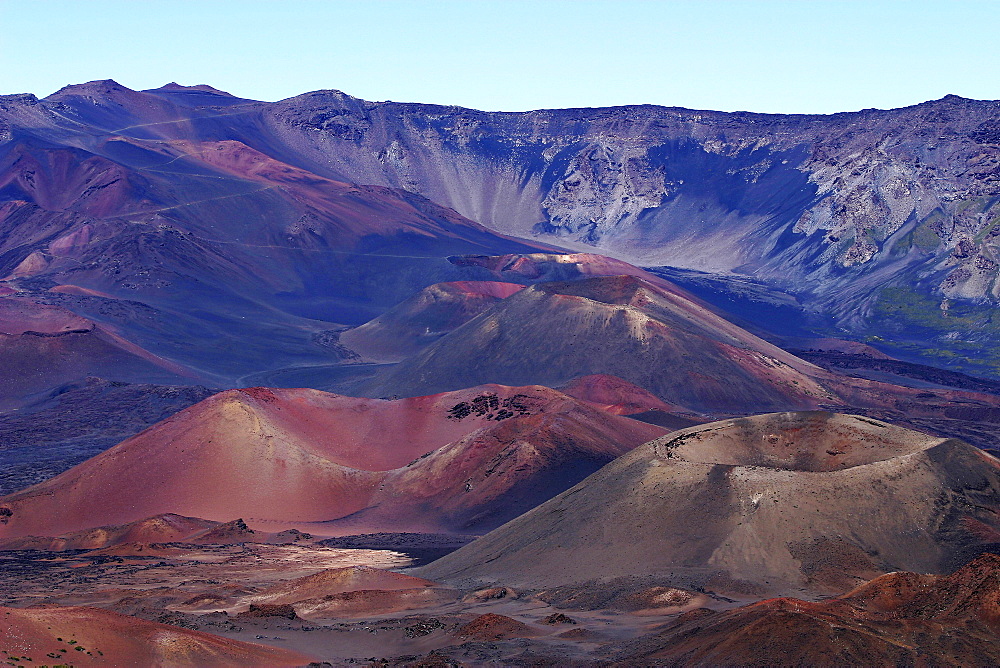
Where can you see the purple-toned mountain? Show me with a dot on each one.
(147, 214)
(425, 317)
(699, 189)
(883, 220)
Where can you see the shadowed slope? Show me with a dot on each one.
(43, 345)
(816, 204)
(297, 455)
(422, 319)
(783, 501)
(645, 331)
(617, 325)
(157, 217)
(813, 204)
(58, 429)
(614, 395)
(34, 363)
(499, 471)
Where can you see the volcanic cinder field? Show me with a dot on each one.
(333, 382)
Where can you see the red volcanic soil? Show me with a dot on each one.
(496, 473)
(473, 289)
(304, 456)
(202, 238)
(338, 581)
(972, 593)
(492, 627)
(226, 533)
(650, 335)
(77, 290)
(43, 345)
(534, 268)
(93, 637)
(18, 316)
(166, 528)
(896, 619)
(162, 535)
(36, 362)
(424, 318)
(61, 179)
(355, 591)
(34, 263)
(614, 395)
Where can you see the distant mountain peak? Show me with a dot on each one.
(201, 88)
(326, 93)
(96, 87)
(19, 98)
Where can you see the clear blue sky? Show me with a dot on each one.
(809, 56)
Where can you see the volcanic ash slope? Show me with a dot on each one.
(423, 318)
(779, 502)
(623, 326)
(296, 457)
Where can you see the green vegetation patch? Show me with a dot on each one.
(924, 236)
(912, 324)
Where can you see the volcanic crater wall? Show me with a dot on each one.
(778, 503)
(714, 191)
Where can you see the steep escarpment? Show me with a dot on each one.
(684, 187)
(882, 220)
(763, 193)
(44, 345)
(159, 221)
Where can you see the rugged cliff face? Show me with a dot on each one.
(781, 197)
